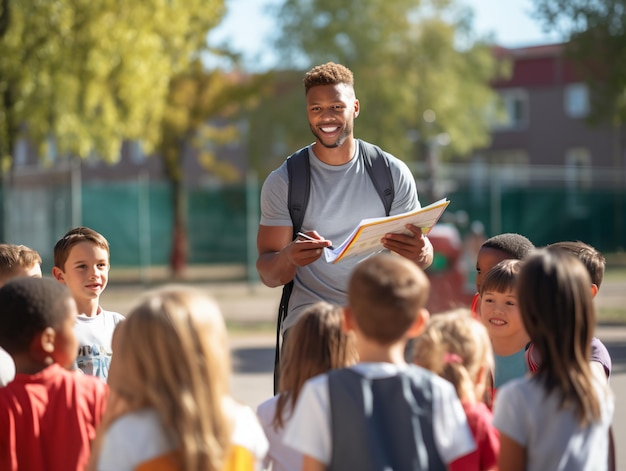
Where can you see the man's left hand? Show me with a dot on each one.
(414, 246)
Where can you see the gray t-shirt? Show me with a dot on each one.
(552, 437)
(340, 197)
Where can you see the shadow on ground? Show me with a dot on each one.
(253, 359)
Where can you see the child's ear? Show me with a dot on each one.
(347, 320)
(419, 323)
(43, 345)
(58, 274)
(594, 290)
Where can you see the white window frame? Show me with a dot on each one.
(514, 110)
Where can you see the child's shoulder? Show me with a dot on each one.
(115, 316)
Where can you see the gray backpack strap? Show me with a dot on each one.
(377, 167)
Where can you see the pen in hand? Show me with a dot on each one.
(308, 237)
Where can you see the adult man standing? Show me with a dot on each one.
(341, 195)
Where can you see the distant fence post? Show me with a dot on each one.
(143, 229)
(495, 198)
(252, 222)
(76, 192)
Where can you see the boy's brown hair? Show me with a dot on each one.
(502, 277)
(328, 74)
(75, 236)
(385, 295)
(14, 257)
(593, 260)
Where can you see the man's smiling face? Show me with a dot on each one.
(331, 110)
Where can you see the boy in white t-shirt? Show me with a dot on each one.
(381, 413)
(81, 262)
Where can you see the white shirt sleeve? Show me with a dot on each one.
(453, 436)
(308, 430)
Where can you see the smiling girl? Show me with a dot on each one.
(499, 313)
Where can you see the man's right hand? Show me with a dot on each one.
(302, 251)
(279, 255)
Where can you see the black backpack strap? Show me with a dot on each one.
(299, 171)
(377, 167)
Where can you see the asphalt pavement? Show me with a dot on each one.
(250, 311)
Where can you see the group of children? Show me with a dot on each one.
(530, 381)
(165, 404)
(491, 387)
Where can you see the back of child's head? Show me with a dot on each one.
(75, 236)
(171, 354)
(502, 278)
(28, 306)
(498, 248)
(315, 344)
(385, 295)
(514, 245)
(557, 309)
(15, 259)
(457, 347)
(593, 260)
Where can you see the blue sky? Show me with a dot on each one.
(246, 25)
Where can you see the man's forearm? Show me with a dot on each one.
(275, 269)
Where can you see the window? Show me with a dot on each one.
(576, 100)
(513, 110)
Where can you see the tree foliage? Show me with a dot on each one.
(596, 34)
(94, 73)
(408, 57)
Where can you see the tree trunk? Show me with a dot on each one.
(180, 244)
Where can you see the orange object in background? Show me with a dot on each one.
(448, 272)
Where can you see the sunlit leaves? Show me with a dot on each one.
(408, 57)
(95, 73)
(597, 43)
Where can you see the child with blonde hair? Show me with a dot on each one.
(316, 344)
(169, 381)
(457, 347)
(558, 418)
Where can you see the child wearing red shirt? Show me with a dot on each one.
(48, 414)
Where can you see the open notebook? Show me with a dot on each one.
(365, 238)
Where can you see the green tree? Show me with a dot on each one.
(87, 75)
(408, 57)
(202, 112)
(596, 41)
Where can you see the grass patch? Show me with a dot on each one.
(250, 327)
(615, 274)
(612, 315)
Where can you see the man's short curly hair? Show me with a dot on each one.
(328, 74)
